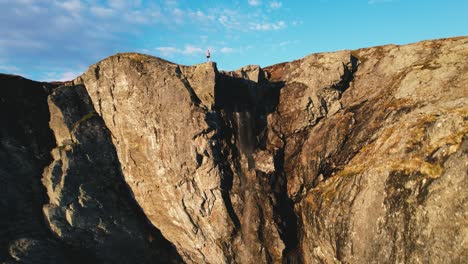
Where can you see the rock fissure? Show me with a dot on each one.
(248, 121)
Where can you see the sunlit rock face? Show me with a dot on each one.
(344, 157)
(378, 179)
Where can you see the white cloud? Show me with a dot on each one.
(60, 76)
(223, 19)
(84, 31)
(275, 4)
(226, 50)
(25, 1)
(204, 38)
(167, 51)
(254, 2)
(201, 17)
(268, 26)
(102, 11)
(287, 43)
(137, 17)
(68, 76)
(117, 4)
(71, 5)
(231, 19)
(171, 3)
(189, 49)
(21, 42)
(296, 23)
(9, 69)
(178, 15)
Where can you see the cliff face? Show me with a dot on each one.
(353, 156)
(375, 152)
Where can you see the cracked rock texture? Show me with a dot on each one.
(345, 157)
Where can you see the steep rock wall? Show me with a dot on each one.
(83, 211)
(366, 154)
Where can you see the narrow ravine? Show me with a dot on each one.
(266, 214)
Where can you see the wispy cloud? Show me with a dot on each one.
(118, 4)
(71, 5)
(84, 31)
(200, 16)
(9, 69)
(187, 50)
(102, 11)
(230, 19)
(226, 50)
(171, 3)
(283, 44)
(67, 76)
(167, 51)
(178, 15)
(192, 50)
(296, 23)
(268, 26)
(254, 2)
(275, 4)
(60, 76)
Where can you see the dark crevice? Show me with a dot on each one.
(328, 167)
(348, 76)
(285, 216)
(245, 106)
(261, 232)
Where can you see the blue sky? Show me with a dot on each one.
(58, 40)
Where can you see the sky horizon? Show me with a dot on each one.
(48, 40)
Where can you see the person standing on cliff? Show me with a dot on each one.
(208, 55)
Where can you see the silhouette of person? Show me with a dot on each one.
(208, 55)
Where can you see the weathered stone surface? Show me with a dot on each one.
(91, 217)
(25, 143)
(367, 180)
(189, 162)
(164, 141)
(251, 72)
(89, 205)
(201, 79)
(345, 157)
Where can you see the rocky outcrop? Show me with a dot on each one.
(89, 213)
(345, 157)
(163, 139)
(90, 206)
(368, 144)
(25, 143)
